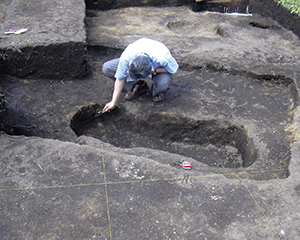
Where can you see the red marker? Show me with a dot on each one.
(184, 164)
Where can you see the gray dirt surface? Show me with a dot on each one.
(233, 70)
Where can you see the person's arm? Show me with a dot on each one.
(118, 86)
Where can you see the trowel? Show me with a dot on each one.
(98, 114)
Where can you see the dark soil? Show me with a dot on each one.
(267, 100)
(223, 117)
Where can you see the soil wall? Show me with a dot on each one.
(270, 8)
(266, 8)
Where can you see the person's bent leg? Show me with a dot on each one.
(161, 84)
(109, 69)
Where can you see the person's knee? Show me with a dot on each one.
(164, 84)
(164, 87)
(105, 69)
(109, 68)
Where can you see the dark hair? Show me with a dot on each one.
(140, 67)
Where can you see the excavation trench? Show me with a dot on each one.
(231, 101)
(223, 118)
(230, 144)
(234, 103)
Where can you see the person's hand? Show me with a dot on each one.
(109, 106)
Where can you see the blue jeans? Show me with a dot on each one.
(161, 81)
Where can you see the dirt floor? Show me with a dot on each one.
(230, 112)
(210, 97)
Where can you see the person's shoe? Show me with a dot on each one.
(158, 98)
(136, 90)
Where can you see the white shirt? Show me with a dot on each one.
(158, 53)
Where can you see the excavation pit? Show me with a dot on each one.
(211, 142)
(233, 120)
(231, 84)
(97, 191)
